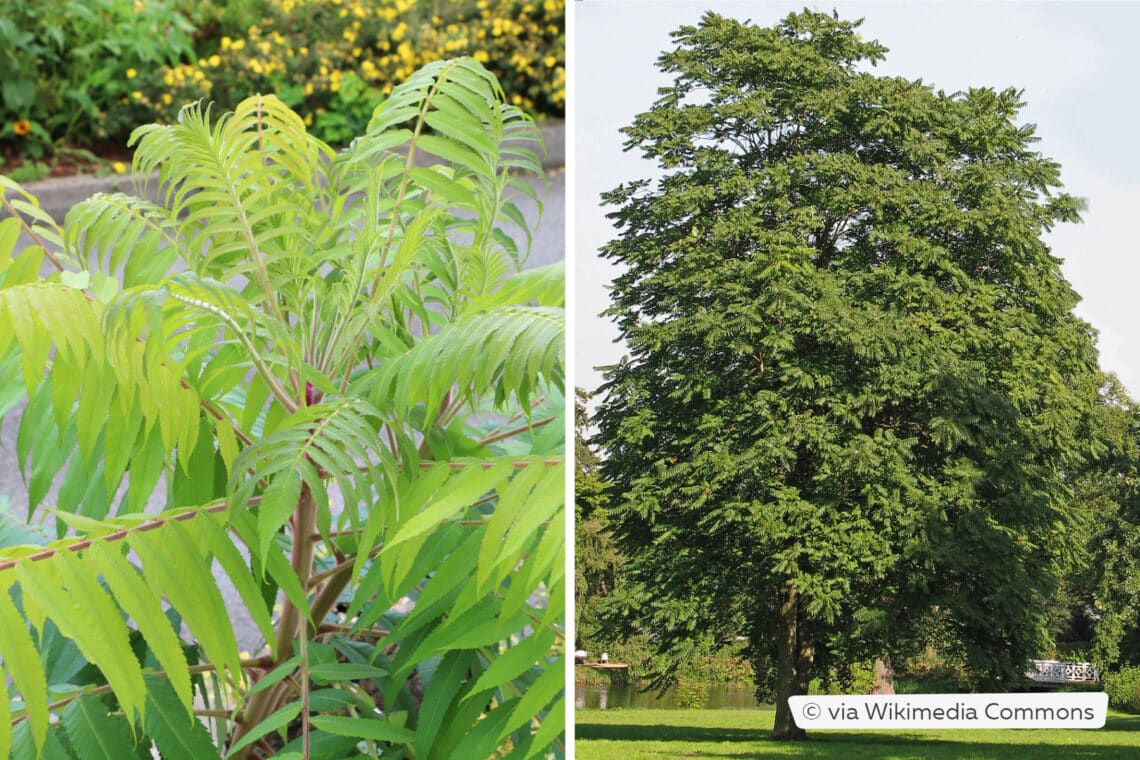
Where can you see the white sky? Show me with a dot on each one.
(1078, 63)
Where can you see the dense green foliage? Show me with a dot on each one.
(856, 390)
(597, 562)
(329, 370)
(1100, 602)
(1123, 688)
(330, 59)
(66, 63)
(711, 734)
(83, 70)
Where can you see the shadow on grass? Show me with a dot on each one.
(864, 745)
(632, 732)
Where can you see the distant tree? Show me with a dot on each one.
(597, 557)
(856, 386)
(1100, 603)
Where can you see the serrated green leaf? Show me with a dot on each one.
(22, 662)
(25, 748)
(172, 563)
(481, 740)
(541, 505)
(216, 541)
(279, 673)
(553, 726)
(277, 504)
(145, 609)
(5, 725)
(93, 733)
(364, 728)
(9, 234)
(176, 732)
(275, 722)
(147, 463)
(512, 502)
(454, 495)
(71, 596)
(551, 682)
(24, 268)
(323, 745)
(517, 660)
(438, 696)
(450, 573)
(339, 672)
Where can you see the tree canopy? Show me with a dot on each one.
(856, 388)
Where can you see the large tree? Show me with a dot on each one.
(1100, 603)
(855, 386)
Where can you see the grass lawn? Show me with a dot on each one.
(641, 734)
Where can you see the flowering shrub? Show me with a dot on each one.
(82, 70)
(331, 59)
(67, 64)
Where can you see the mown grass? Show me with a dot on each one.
(643, 734)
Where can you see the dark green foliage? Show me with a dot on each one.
(598, 561)
(855, 383)
(1101, 602)
(1123, 687)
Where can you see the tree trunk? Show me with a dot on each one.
(787, 655)
(884, 676)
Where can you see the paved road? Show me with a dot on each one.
(548, 247)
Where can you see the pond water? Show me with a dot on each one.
(619, 695)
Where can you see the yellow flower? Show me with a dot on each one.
(22, 127)
(119, 167)
(166, 98)
(481, 56)
(238, 44)
(215, 60)
(131, 73)
(136, 95)
(550, 61)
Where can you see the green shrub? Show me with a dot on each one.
(725, 666)
(70, 66)
(855, 678)
(1123, 688)
(328, 369)
(690, 695)
(932, 673)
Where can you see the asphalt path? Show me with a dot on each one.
(548, 247)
